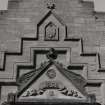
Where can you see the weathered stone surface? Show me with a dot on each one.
(85, 30)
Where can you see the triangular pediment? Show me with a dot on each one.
(52, 84)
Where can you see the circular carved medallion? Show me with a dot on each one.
(51, 74)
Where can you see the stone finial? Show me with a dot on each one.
(52, 54)
(11, 97)
(50, 4)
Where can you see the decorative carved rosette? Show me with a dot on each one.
(51, 74)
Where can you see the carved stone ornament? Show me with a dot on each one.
(50, 4)
(51, 74)
(51, 32)
(51, 86)
(51, 54)
(11, 97)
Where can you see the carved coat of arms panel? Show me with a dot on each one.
(51, 32)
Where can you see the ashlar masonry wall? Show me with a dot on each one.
(85, 33)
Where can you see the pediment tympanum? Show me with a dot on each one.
(52, 80)
(52, 84)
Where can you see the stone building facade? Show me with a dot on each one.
(30, 30)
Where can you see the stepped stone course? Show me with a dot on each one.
(22, 45)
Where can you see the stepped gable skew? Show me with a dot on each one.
(71, 39)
